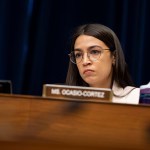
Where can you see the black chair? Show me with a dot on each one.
(5, 86)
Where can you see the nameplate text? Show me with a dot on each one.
(76, 92)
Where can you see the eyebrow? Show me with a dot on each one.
(93, 46)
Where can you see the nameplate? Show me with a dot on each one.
(76, 92)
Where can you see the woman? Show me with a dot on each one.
(97, 60)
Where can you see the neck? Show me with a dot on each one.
(107, 84)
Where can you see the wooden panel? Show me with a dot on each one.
(28, 122)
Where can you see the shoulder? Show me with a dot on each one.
(133, 96)
(129, 94)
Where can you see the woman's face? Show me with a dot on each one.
(96, 72)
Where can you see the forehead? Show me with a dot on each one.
(88, 41)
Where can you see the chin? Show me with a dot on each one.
(90, 79)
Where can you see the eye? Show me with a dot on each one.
(95, 52)
(78, 54)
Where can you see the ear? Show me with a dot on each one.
(114, 58)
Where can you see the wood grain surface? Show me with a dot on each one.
(34, 122)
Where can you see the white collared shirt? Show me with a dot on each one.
(128, 95)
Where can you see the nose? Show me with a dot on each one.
(86, 60)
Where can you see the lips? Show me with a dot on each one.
(88, 71)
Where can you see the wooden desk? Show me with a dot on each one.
(30, 122)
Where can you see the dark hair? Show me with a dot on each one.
(120, 72)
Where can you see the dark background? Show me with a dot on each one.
(35, 37)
